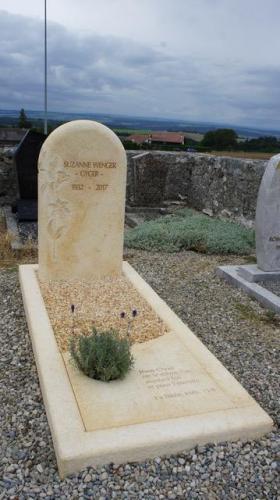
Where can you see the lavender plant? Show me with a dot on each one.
(129, 321)
(104, 355)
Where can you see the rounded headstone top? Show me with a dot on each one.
(79, 134)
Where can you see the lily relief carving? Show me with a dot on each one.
(58, 209)
(58, 221)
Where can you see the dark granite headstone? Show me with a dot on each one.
(27, 210)
(26, 159)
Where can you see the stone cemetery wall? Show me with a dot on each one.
(147, 178)
(218, 185)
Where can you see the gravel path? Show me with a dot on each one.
(28, 231)
(234, 328)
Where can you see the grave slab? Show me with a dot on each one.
(189, 398)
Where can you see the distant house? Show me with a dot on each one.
(139, 138)
(11, 136)
(158, 138)
(167, 137)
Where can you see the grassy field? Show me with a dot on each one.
(198, 137)
(189, 135)
(131, 131)
(241, 154)
(195, 136)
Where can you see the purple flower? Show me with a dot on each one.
(134, 312)
(72, 308)
(122, 314)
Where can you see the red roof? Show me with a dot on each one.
(138, 138)
(172, 137)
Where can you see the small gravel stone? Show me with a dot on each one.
(115, 295)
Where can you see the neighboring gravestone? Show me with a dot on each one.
(267, 268)
(82, 177)
(268, 218)
(26, 161)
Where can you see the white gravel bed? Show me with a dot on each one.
(217, 314)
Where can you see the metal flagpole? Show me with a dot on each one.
(46, 102)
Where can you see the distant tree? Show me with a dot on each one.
(22, 120)
(222, 138)
(266, 144)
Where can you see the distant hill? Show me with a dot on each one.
(10, 117)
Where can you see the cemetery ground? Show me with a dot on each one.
(236, 329)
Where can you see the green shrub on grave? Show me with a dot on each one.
(189, 230)
(104, 355)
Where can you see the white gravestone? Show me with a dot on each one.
(268, 218)
(81, 197)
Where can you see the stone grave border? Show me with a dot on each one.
(75, 448)
(246, 277)
(12, 228)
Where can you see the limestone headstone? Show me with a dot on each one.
(81, 195)
(268, 218)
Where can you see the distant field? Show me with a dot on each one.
(131, 131)
(240, 154)
(195, 136)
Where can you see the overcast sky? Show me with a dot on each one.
(200, 60)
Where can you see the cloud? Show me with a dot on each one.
(113, 74)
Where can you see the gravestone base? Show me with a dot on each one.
(254, 274)
(177, 395)
(247, 277)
